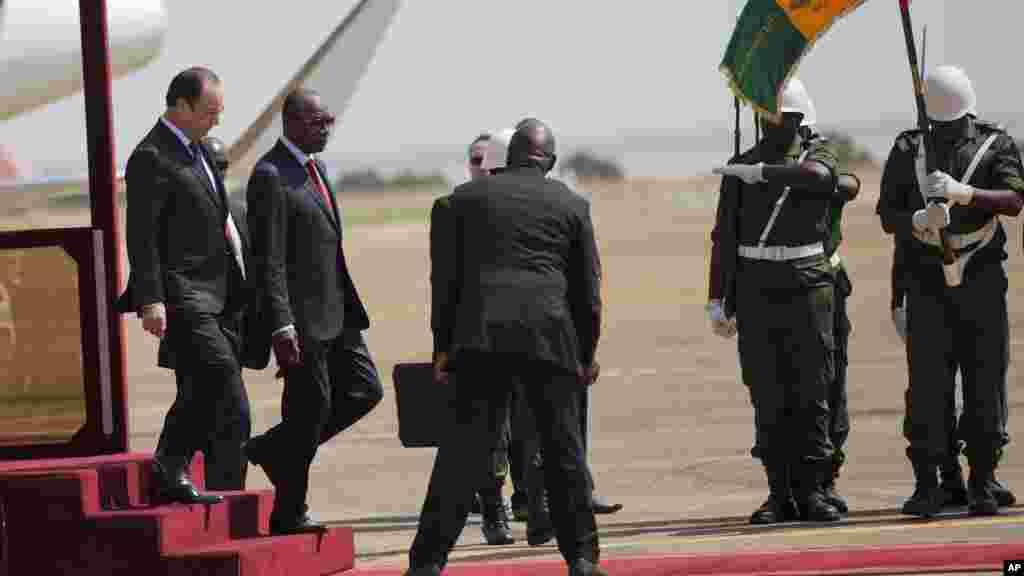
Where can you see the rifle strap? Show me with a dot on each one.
(778, 206)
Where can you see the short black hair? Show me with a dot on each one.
(188, 84)
(295, 102)
(483, 137)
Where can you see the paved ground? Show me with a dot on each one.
(672, 423)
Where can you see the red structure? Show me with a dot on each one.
(82, 506)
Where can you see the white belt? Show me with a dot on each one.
(780, 253)
(957, 241)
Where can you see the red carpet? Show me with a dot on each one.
(909, 559)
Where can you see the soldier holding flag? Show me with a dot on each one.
(957, 313)
(770, 273)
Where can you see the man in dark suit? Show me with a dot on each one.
(311, 315)
(523, 305)
(187, 283)
(225, 466)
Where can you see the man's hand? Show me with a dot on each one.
(587, 376)
(154, 319)
(899, 319)
(720, 325)
(938, 215)
(749, 173)
(944, 185)
(286, 351)
(441, 368)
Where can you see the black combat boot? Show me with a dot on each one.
(982, 481)
(807, 480)
(928, 496)
(539, 528)
(780, 506)
(828, 487)
(1004, 497)
(953, 486)
(495, 527)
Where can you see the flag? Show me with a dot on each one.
(771, 37)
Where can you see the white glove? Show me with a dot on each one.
(944, 185)
(720, 325)
(154, 319)
(749, 173)
(920, 220)
(899, 319)
(938, 215)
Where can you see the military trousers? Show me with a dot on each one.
(965, 326)
(786, 349)
(839, 414)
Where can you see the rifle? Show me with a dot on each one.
(923, 124)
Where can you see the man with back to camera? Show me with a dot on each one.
(311, 316)
(486, 153)
(524, 243)
(956, 315)
(187, 283)
(771, 281)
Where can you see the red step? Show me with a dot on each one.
(300, 555)
(88, 516)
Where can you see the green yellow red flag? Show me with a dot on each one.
(770, 38)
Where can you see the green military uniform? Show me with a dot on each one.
(839, 415)
(780, 287)
(966, 325)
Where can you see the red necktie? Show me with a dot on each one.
(315, 175)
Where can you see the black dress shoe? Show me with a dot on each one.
(301, 525)
(429, 570)
(177, 488)
(601, 506)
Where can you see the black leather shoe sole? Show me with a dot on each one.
(307, 527)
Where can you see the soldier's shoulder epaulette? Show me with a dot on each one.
(746, 157)
(989, 127)
(907, 140)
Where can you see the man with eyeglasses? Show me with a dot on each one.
(311, 315)
(188, 284)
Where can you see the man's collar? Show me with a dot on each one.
(177, 132)
(301, 156)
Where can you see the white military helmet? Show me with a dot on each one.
(496, 153)
(949, 94)
(796, 99)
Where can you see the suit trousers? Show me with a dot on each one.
(532, 449)
(211, 410)
(969, 325)
(480, 413)
(336, 385)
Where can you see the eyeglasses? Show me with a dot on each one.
(476, 160)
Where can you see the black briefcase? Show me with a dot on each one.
(425, 408)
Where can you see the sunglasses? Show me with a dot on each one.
(476, 160)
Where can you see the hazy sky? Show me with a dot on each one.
(636, 79)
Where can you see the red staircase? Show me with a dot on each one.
(92, 516)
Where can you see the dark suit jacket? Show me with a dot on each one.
(525, 277)
(298, 261)
(166, 357)
(175, 231)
